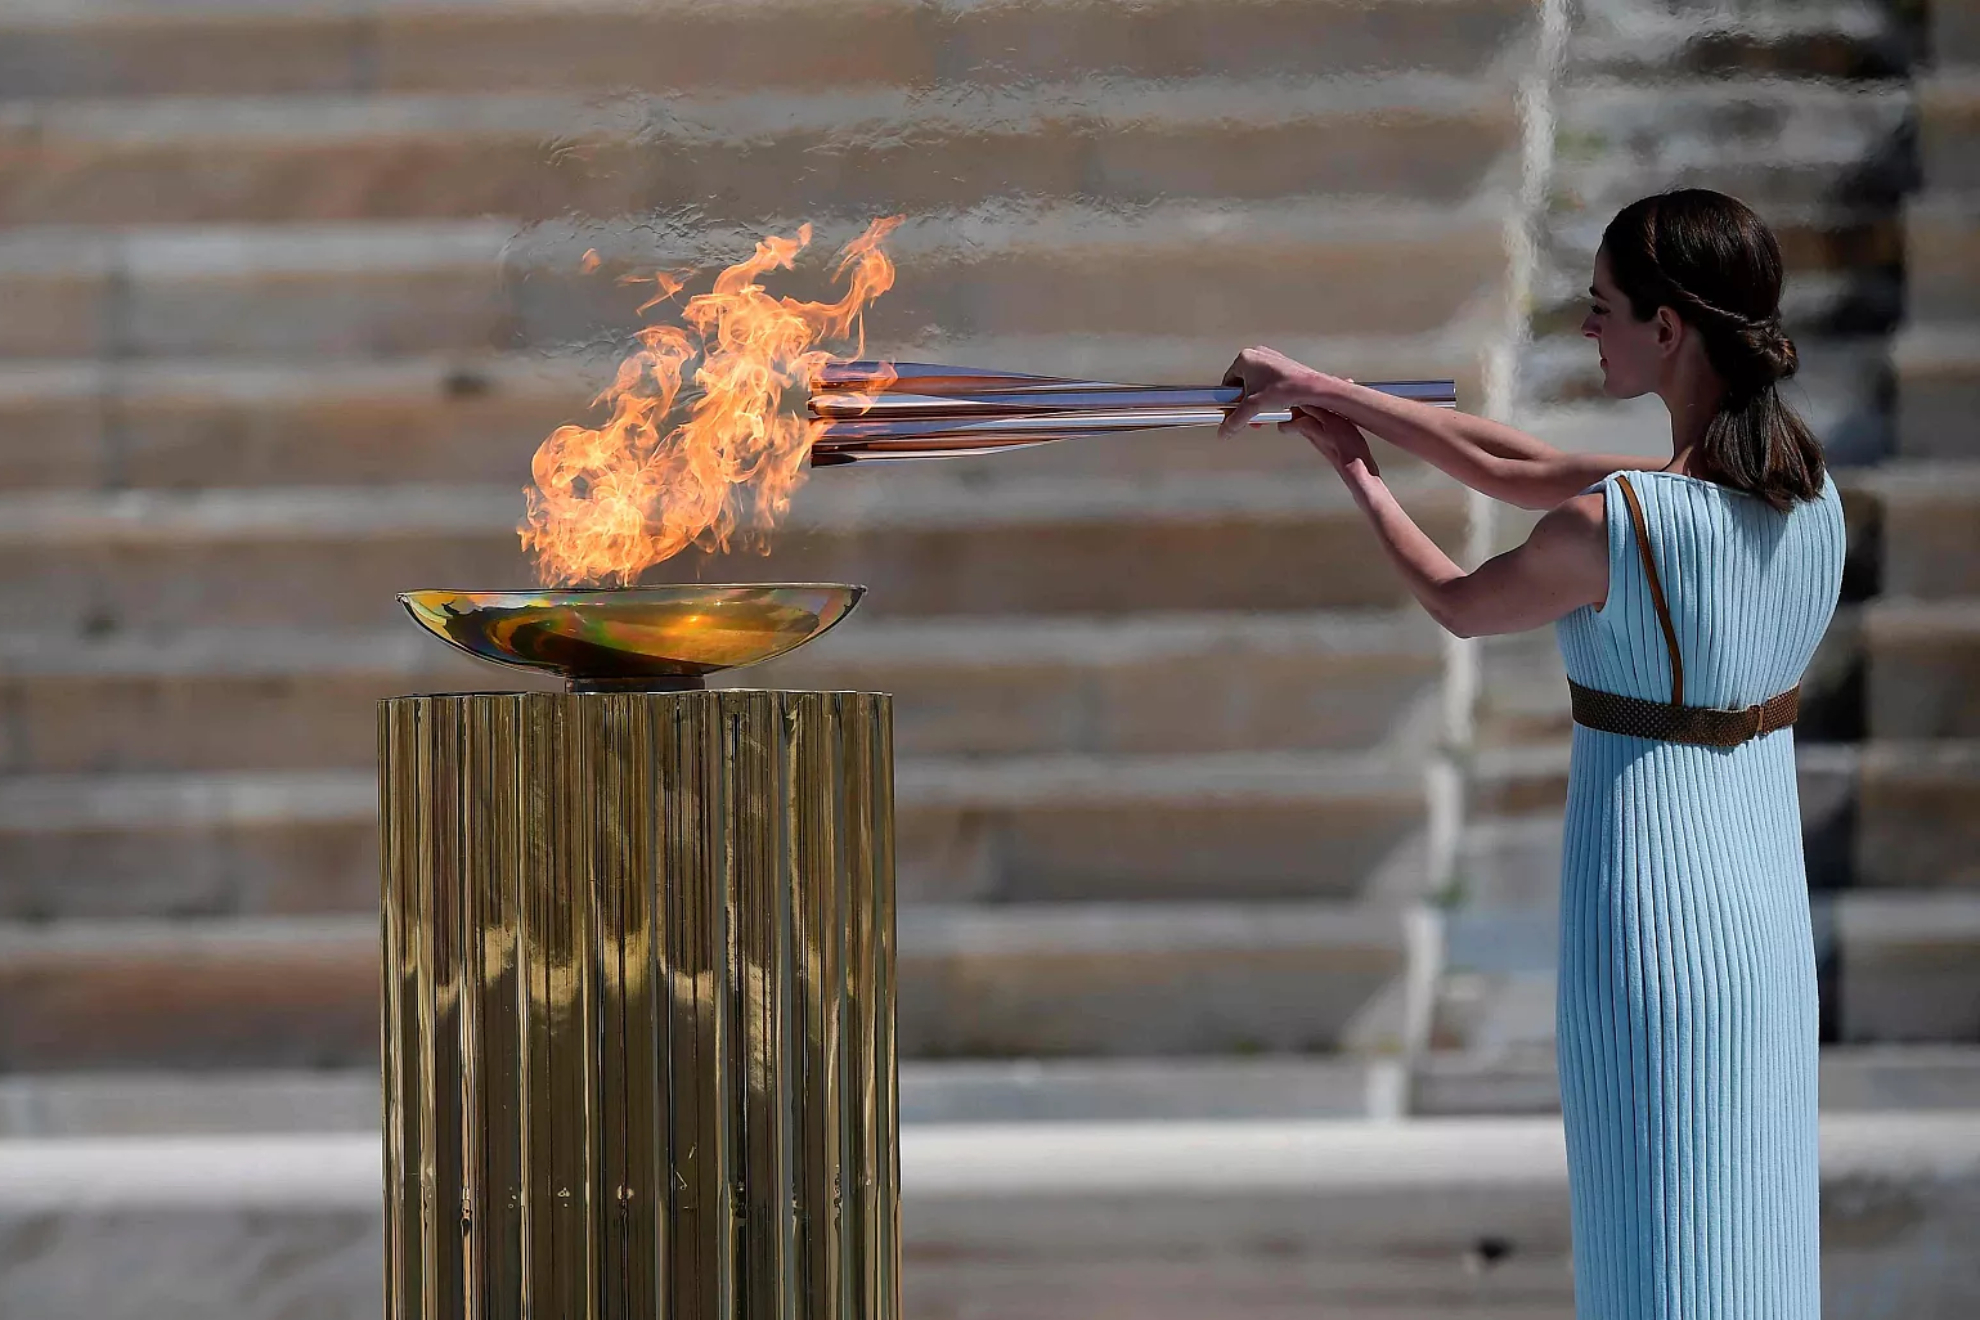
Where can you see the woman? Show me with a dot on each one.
(1688, 601)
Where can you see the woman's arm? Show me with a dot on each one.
(1562, 566)
(1497, 460)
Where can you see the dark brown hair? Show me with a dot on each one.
(1710, 259)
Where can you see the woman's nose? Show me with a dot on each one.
(1588, 330)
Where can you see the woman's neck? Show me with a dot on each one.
(1692, 396)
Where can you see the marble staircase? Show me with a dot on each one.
(296, 288)
(290, 289)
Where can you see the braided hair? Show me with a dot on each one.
(1710, 259)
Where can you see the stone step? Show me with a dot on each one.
(1855, 1079)
(1924, 668)
(851, 153)
(1879, 1079)
(1245, 1220)
(1851, 792)
(932, 1091)
(1942, 259)
(263, 291)
(1948, 128)
(388, 289)
(1930, 521)
(1100, 979)
(1918, 816)
(1508, 861)
(261, 1102)
(135, 48)
(1908, 966)
(478, 418)
(1257, 825)
(191, 424)
(1955, 34)
(1113, 1090)
(1777, 143)
(1522, 690)
(1938, 392)
(1125, 980)
(280, 700)
(1842, 39)
(154, 563)
(1898, 967)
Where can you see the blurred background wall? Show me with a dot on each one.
(1200, 820)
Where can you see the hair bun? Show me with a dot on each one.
(1769, 351)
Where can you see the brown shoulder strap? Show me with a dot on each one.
(1656, 588)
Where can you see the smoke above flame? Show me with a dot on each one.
(653, 479)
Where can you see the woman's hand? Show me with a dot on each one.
(1340, 440)
(1270, 380)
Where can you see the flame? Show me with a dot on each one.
(612, 501)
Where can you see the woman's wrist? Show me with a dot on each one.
(1321, 390)
(1362, 480)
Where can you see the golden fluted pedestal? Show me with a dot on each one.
(639, 1005)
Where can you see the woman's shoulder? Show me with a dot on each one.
(1827, 498)
(1587, 510)
(1583, 518)
(1646, 481)
(1686, 480)
(1666, 495)
(1827, 506)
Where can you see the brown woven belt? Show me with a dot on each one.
(1673, 721)
(1633, 717)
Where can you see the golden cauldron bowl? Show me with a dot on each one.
(634, 639)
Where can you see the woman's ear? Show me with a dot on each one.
(1670, 331)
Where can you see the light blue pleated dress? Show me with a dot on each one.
(1687, 1015)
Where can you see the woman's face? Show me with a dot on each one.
(1632, 350)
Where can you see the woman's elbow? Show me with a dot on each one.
(1454, 614)
(1462, 628)
(1463, 609)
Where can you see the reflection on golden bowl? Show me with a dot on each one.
(633, 638)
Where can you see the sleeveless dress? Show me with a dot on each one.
(1687, 1016)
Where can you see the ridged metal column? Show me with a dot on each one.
(639, 1005)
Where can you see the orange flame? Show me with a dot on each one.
(612, 501)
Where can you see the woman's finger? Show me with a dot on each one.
(1240, 415)
(1333, 422)
(1307, 431)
